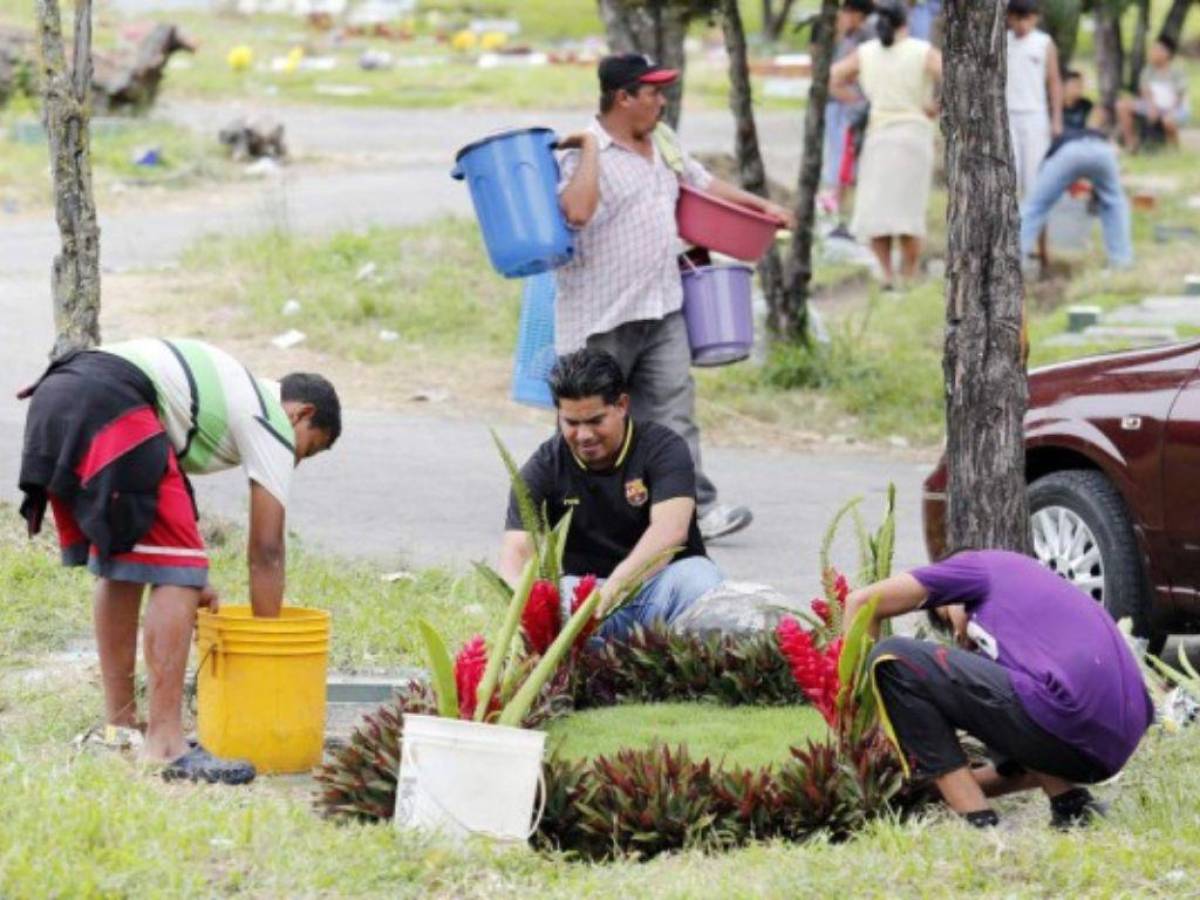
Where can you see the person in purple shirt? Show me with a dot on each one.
(1041, 676)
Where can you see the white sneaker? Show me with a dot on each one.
(722, 519)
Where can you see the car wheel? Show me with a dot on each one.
(1081, 530)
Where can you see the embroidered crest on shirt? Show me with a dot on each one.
(636, 493)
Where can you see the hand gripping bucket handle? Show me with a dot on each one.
(449, 813)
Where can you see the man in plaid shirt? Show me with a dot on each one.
(621, 292)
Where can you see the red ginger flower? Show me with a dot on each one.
(814, 669)
(582, 591)
(541, 616)
(822, 611)
(841, 589)
(468, 672)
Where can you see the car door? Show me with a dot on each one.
(1181, 494)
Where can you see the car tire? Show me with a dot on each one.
(1098, 507)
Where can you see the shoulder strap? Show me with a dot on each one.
(669, 148)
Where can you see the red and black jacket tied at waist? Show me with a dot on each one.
(94, 441)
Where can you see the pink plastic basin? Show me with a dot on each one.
(736, 231)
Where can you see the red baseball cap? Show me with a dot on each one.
(624, 70)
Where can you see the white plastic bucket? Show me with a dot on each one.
(462, 778)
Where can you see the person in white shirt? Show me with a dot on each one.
(1162, 99)
(1033, 92)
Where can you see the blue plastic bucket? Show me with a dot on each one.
(535, 343)
(513, 179)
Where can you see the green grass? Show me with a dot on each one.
(75, 824)
(187, 159)
(742, 736)
(44, 606)
(453, 81)
(432, 285)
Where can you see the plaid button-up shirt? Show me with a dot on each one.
(624, 268)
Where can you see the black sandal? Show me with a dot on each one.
(197, 764)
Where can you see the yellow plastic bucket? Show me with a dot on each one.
(261, 686)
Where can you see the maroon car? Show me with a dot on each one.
(1112, 459)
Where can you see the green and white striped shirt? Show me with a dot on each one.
(217, 415)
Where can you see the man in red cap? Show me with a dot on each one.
(621, 293)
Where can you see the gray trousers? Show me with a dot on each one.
(656, 359)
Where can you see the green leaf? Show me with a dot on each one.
(493, 581)
(531, 520)
(852, 647)
(491, 674)
(1187, 666)
(442, 670)
(561, 530)
(830, 535)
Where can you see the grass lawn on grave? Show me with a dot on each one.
(744, 736)
(94, 825)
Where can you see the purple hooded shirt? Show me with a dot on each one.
(1070, 667)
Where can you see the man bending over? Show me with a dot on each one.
(110, 438)
(1041, 676)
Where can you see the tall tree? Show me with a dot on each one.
(1137, 52)
(656, 28)
(1110, 55)
(66, 95)
(1060, 19)
(984, 372)
(752, 172)
(792, 316)
(1172, 26)
(775, 16)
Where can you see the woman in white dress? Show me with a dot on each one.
(896, 73)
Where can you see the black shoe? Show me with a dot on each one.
(1077, 808)
(197, 764)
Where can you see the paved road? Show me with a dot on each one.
(414, 490)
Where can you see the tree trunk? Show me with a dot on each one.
(656, 28)
(792, 320)
(66, 95)
(751, 172)
(984, 371)
(1172, 26)
(1060, 19)
(773, 20)
(1109, 58)
(1137, 53)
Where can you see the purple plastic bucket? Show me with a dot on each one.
(719, 314)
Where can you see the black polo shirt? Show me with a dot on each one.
(612, 508)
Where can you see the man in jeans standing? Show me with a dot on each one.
(622, 291)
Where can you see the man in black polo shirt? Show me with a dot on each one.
(633, 489)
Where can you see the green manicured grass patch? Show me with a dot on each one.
(741, 735)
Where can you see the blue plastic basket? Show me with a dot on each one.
(535, 343)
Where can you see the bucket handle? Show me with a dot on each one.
(687, 261)
(449, 814)
(457, 172)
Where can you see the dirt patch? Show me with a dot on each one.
(418, 381)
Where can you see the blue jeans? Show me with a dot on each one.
(662, 599)
(1096, 160)
(837, 120)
